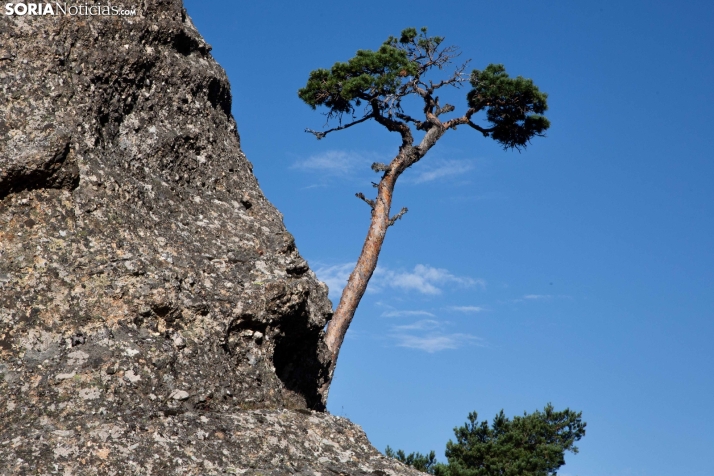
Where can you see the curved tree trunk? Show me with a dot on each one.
(367, 261)
(366, 264)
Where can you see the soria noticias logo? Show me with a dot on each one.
(57, 8)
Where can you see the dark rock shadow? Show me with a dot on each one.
(297, 361)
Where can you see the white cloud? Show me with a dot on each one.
(332, 163)
(423, 279)
(335, 277)
(427, 335)
(342, 163)
(429, 344)
(467, 308)
(425, 324)
(536, 297)
(407, 313)
(440, 169)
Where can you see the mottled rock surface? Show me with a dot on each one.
(155, 315)
(250, 442)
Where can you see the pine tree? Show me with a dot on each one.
(531, 445)
(418, 461)
(373, 86)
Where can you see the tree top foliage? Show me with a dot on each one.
(418, 461)
(379, 80)
(531, 445)
(514, 106)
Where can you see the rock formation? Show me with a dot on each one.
(155, 315)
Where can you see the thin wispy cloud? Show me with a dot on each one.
(423, 279)
(537, 297)
(467, 309)
(435, 343)
(428, 336)
(335, 163)
(335, 277)
(407, 314)
(425, 324)
(440, 170)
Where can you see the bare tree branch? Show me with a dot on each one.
(322, 134)
(420, 125)
(380, 167)
(485, 132)
(420, 91)
(369, 202)
(391, 124)
(443, 110)
(456, 79)
(430, 58)
(466, 119)
(398, 216)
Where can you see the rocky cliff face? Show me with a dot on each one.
(155, 315)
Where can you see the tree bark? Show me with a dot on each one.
(366, 264)
(380, 222)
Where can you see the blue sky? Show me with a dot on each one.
(578, 272)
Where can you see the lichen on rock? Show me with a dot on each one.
(155, 314)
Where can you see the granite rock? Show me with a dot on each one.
(155, 314)
(63, 440)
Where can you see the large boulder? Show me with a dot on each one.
(154, 310)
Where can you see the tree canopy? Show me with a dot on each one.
(529, 445)
(418, 461)
(379, 80)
